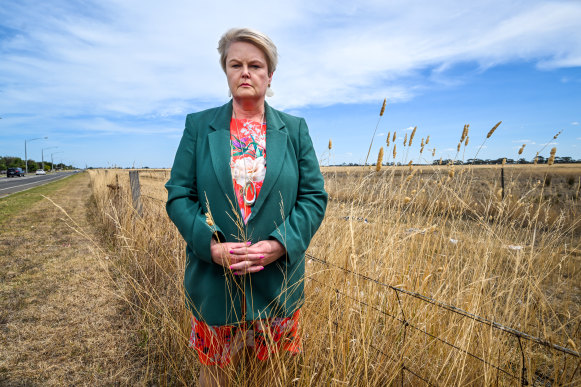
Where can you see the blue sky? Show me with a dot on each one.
(110, 81)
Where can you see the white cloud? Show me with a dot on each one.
(528, 142)
(150, 58)
(380, 134)
(575, 123)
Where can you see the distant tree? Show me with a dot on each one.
(32, 165)
(564, 159)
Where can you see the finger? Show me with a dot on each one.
(241, 265)
(250, 270)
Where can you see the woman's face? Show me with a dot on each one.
(247, 71)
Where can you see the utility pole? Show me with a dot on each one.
(50, 147)
(26, 154)
(51, 160)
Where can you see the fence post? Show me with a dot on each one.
(136, 191)
(502, 180)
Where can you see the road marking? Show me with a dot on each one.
(34, 182)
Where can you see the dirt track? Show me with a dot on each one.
(60, 323)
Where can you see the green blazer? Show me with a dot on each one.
(290, 207)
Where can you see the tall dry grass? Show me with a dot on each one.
(445, 235)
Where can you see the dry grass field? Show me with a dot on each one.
(60, 322)
(441, 231)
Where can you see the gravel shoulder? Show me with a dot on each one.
(60, 321)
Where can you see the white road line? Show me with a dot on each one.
(34, 182)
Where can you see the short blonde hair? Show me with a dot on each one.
(251, 36)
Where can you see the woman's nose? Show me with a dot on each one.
(245, 71)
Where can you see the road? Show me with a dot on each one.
(12, 185)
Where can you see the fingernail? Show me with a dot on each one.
(236, 274)
(262, 257)
(231, 267)
(262, 268)
(231, 252)
(248, 243)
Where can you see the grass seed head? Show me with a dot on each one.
(504, 162)
(394, 136)
(464, 132)
(427, 140)
(413, 134)
(557, 135)
(383, 107)
(433, 152)
(459, 144)
(330, 144)
(209, 220)
(405, 139)
(552, 157)
(522, 148)
(388, 136)
(493, 129)
(394, 150)
(379, 160)
(466, 142)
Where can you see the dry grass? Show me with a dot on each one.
(449, 236)
(60, 323)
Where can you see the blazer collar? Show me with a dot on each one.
(223, 116)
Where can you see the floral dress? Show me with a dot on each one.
(215, 345)
(247, 161)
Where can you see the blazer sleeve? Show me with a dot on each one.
(183, 204)
(309, 209)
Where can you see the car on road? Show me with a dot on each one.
(40, 172)
(11, 172)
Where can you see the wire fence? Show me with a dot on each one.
(522, 378)
(406, 324)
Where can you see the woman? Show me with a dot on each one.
(247, 195)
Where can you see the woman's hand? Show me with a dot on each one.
(243, 258)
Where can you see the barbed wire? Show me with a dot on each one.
(454, 309)
(406, 323)
(518, 334)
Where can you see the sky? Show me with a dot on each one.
(109, 82)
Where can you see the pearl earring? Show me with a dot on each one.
(269, 92)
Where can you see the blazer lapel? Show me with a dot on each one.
(276, 147)
(219, 142)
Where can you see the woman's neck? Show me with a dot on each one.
(248, 110)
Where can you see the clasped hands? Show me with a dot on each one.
(246, 258)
